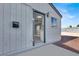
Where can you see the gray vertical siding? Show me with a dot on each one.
(52, 34)
(15, 39)
(6, 28)
(13, 31)
(1, 28)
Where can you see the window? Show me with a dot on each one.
(53, 21)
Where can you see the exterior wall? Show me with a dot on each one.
(52, 33)
(14, 40)
(1, 29)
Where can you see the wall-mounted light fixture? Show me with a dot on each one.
(47, 14)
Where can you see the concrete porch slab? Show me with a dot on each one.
(48, 50)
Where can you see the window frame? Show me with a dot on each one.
(53, 21)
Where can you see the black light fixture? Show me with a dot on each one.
(47, 14)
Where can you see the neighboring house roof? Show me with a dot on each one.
(55, 9)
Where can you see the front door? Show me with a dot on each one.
(38, 27)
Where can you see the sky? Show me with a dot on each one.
(70, 13)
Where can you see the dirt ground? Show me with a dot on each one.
(70, 34)
(69, 41)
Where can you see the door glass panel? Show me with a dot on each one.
(38, 27)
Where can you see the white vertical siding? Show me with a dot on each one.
(19, 30)
(17, 39)
(29, 26)
(1, 29)
(24, 26)
(13, 31)
(6, 28)
(52, 33)
(23, 34)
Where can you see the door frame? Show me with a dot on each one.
(44, 25)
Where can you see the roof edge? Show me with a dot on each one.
(55, 9)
